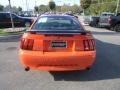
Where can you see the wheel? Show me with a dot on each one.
(117, 28)
(112, 28)
(108, 28)
(27, 24)
(90, 24)
(96, 25)
(99, 26)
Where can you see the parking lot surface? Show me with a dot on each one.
(104, 75)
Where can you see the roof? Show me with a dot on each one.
(4, 12)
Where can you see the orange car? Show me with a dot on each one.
(57, 42)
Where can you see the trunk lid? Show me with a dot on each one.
(58, 43)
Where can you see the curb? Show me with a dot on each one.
(10, 37)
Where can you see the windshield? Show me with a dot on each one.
(56, 23)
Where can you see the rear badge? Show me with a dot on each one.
(59, 44)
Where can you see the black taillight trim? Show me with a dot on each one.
(90, 45)
(93, 44)
(27, 44)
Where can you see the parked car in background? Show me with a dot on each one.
(104, 19)
(87, 19)
(72, 15)
(5, 20)
(114, 22)
(57, 42)
(94, 21)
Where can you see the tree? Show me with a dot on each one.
(85, 3)
(36, 8)
(58, 8)
(43, 8)
(100, 6)
(19, 9)
(65, 8)
(14, 9)
(1, 7)
(52, 5)
(76, 9)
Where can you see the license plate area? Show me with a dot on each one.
(58, 44)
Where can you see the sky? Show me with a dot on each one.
(32, 3)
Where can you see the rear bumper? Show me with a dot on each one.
(104, 24)
(57, 61)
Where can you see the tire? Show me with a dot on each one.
(27, 24)
(90, 24)
(96, 25)
(112, 28)
(108, 28)
(117, 28)
(99, 26)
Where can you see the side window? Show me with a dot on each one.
(1, 16)
(118, 14)
(14, 16)
(7, 16)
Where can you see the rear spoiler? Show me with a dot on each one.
(59, 32)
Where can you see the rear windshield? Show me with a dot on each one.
(107, 14)
(56, 23)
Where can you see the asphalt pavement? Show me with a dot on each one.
(104, 75)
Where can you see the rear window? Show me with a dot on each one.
(107, 14)
(56, 23)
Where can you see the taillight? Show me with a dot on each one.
(109, 20)
(89, 45)
(26, 44)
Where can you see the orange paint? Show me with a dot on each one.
(44, 57)
(57, 52)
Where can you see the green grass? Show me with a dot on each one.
(3, 33)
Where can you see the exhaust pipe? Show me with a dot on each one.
(27, 69)
(88, 68)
